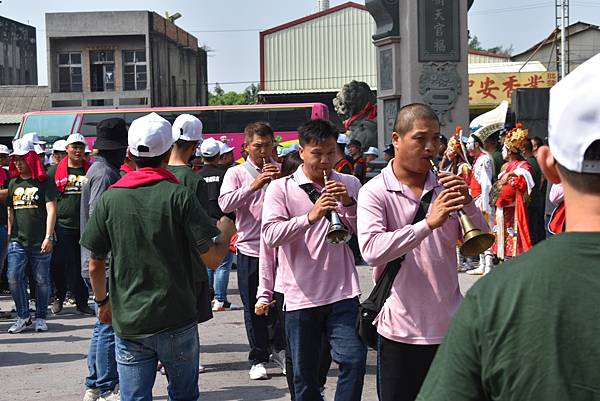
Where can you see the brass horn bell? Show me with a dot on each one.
(337, 233)
(475, 241)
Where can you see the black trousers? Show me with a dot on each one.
(325, 361)
(401, 369)
(537, 227)
(66, 266)
(261, 340)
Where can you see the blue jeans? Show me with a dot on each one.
(18, 256)
(102, 363)
(218, 279)
(177, 350)
(304, 329)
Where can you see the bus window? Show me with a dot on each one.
(90, 121)
(210, 120)
(234, 121)
(283, 120)
(49, 127)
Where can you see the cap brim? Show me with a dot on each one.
(19, 153)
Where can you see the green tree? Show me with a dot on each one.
(219, 97)
(475, 44)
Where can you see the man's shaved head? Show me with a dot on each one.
(411, 113)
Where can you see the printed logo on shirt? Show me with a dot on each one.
(75, 184)
(212, 179)
(25, 198)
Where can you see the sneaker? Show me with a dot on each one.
(258, 372)
(71, 301)
(201, 369)
(85, 310)
(40, 325)
(278, 358)
(91, 394)
(32, 305)
(113, 395)
(219, 306)
(20, 325)
(56, 308)
(476, 272)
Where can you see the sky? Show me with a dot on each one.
(230, 28)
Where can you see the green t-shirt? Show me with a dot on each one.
(529, 330)
(186, 176)
(537, 196)
(498, 163)
(69, 201)
(151, 232)
(28, 200)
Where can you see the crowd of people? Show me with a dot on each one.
(150, 224)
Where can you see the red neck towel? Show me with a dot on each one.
(38, 172)
(125, 167)
(61, 177)
(144, 176)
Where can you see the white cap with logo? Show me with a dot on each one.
(210, 148)
(150, 136)
(59, 146)
(225, 148)
(76, 138)
(22, 146)
(4, 150)
(187, 127)
(574, 117)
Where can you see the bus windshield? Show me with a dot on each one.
(49, 127)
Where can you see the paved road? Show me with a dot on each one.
(36, 366)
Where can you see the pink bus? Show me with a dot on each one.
(217, 120)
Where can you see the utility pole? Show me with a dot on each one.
(562, 49)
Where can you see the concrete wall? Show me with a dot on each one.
(18, 55)
(85, 46)
(174, 64)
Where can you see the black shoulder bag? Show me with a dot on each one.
(370, 308)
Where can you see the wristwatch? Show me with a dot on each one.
(101, 302)
(50, 237)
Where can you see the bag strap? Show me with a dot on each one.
(251, 169)
(313, 194)
(393, 267)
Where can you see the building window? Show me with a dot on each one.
(69, 72)
(102, 70)
(134, 70)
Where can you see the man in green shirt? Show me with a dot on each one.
(152, 225)
(529, 330)
(69, 176)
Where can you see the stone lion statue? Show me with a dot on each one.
(357, 107)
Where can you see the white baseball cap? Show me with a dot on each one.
(372, 151)
(22, 146)
(38, 149)
(224, 148)
(574, 117)
(4, 150)
(343, 139)
(59, 146)
(76, 138)
(34, 138)
(87, 149)
(187, 127)
(210, 148)
(150, 136)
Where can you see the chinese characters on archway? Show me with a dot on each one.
(491, 89)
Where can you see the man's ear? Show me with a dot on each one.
(548, 164)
